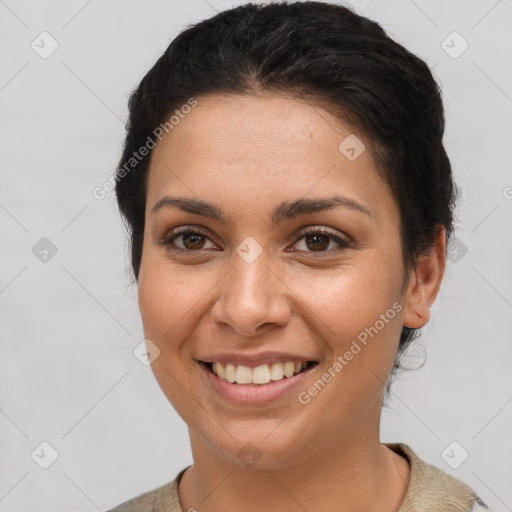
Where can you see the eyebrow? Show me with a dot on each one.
(284, 211)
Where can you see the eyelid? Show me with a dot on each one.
(323, 230)
(175, 232)
(342, 240)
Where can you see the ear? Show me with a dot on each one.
(424, 283)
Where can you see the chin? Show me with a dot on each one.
(260, 451)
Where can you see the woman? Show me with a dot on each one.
(289, 202)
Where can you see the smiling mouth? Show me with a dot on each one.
(258, 375)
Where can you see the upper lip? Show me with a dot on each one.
(255, 359)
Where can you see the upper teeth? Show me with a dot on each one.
(258, 375)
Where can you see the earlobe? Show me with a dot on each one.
(424, 283)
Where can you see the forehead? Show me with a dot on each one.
(263, 149)
(223, 123)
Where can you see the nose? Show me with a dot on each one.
(252, 299)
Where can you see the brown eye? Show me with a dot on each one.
(317, 242)
(192, 240)
(321, 239)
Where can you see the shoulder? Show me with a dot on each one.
(164, 497)
(431, 489)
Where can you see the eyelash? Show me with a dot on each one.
(168, 241)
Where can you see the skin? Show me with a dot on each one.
(247, 154)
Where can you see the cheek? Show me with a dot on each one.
(169, 303)
(353, 298)
(174, 304)
(167, 298)
(357, 313)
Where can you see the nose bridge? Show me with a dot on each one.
(249, 276)
(251, 296)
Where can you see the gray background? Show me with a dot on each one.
(70, 323)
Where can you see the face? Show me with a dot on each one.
(250, 270)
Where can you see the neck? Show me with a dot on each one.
(349, 475)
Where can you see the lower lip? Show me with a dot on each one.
(258, 393)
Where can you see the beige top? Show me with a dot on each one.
(429, 490)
